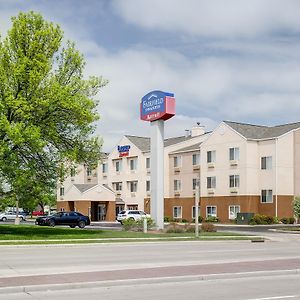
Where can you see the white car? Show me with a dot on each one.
(131, 214)
(10, 216)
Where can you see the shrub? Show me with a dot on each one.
(166, 219)
(140, 224)
(128, 224)
(208, 227)
(184, 221)
(296, 206)
(190, 228)
(284, 220)
(212, 219)
(292, 220)
(262, 220)
(174, 228)
(200, 219)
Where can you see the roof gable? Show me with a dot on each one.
(258, 132)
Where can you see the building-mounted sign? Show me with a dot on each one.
(123, 150)
(157, 105)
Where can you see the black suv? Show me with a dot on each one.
(70, 218)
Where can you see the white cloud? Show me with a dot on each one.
(212, 18)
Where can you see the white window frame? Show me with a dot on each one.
(236, 209)
(177, 161)
(235, 180)
(118, 186)
(62, 191)
(148, 162)
(213, 182)
(268, 196)
(148, 185)
(234, 153)
(196, 159)
(104, 168)
(118, 165)
(194, 210)
(266, 163)
(88, 171)
(211, 215)
(211, 156)
(177, 185)
(133, 186)
(180, 210)
(133, 164)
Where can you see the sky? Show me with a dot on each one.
(235, 60)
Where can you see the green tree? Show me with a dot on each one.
(296, 207)
(47, 108)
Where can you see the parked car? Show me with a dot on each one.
(11, 215)
(131, 214)
(70, 218)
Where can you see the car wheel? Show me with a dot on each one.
(81, 224)
(72, 226)
(4, 219)
(51, 223)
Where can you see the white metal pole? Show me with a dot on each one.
(197, 196)
(157, 172)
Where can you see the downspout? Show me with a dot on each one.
(276, 180)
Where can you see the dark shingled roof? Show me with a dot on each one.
(143, 143)
(257, 132)
(84, 187)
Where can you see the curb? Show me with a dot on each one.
(112, 283)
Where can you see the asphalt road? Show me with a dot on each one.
(158, 270)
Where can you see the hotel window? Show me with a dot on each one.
(73, 172)
(148, 186)
(266, 196)
(177, 211)
(233, 210)
(104, 168)
(211, 156)
(117, 186)
(118, 165)
(177, 161)
(196, 159)
(88, 171)
(234, 153)
(148, 162)
(211, 211)
(133, 186)
(133, 164)
(177, 185)
(194, 210)
(195, 183)
(266, 163)
(62, 191)
(234, 181)
(211, 182)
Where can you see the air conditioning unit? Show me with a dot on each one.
(210, 191)
(211, 165)
(234, 162)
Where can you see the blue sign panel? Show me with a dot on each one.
(153, 105)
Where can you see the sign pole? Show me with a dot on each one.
(157, 107)
(157, 172)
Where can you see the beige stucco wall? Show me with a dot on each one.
(297, 163)
(185, 173)
(221, 140)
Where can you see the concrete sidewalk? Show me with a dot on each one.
(175, 273)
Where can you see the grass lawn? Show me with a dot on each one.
(29, 233)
